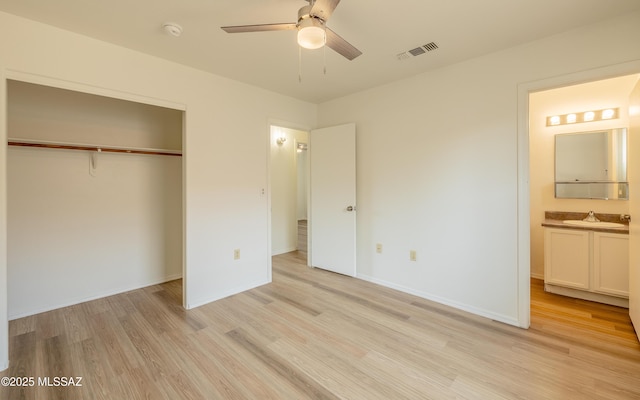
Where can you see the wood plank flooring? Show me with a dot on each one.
(312, 334)
(302, 235)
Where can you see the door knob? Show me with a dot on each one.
(351, 208)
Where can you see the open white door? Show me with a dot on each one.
(332, 216)
(634, 207)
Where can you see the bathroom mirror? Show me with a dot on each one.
(592, 165)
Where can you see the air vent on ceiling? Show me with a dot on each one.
(430, 46)
(417, 51)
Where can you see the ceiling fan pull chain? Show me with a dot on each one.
(299, 64)
(324, 54)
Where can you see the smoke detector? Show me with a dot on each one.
(172, 29)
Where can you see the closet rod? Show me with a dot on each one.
(69, 146)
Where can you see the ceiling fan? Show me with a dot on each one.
(311, 26)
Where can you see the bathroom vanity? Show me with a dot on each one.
(586, 260)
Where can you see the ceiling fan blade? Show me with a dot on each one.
(341, 46)
(259, 28)
(323, 8)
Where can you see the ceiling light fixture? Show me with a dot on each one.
(311, 32)
(586, 116)
(172, 29)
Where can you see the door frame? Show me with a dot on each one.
(288, 125)
(524, 209)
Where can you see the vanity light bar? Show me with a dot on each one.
(586, 116)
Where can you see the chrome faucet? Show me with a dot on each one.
(591, 217)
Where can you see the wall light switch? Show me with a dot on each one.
(236, 254)
(412, 255)
(378, 247)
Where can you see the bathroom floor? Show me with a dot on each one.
(584, 321)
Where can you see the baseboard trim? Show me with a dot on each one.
(441, 300)
(226, 293)
(280, 251)
(584, 295)
(90, 298)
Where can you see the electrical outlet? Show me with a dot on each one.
(378, 247)
(236, 254)
(412, 255)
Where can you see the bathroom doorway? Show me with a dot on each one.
(564, 96)
(289, 176)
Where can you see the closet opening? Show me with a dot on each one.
(94, 193)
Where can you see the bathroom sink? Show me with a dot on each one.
(599, 224)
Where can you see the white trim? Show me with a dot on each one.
(90, 89)
(524, 209)
(589, 296)
(523, 216)
(283, 251)
(266, 191)
(441, 300)
(102, 295)
(287, 124)
(537, 276)
(184, 209)
(226, 293)
(4, 277)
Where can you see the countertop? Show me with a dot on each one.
(553, 219)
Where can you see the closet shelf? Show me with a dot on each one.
(91, 147)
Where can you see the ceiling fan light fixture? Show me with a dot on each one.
(311, 33)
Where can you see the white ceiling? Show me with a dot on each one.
(380, 29)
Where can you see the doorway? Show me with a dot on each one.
(607, 88)
(289, 193)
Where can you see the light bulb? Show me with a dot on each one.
(589, 116)
(311, 34)
(608, 113)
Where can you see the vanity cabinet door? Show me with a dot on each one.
(611, 264)
(566, 258)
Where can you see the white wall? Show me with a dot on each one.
(608, 93)
(44, 113)
(438, 168)
(284, 189)
(225, 145)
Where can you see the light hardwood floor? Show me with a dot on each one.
(312, 334)
(302, 235)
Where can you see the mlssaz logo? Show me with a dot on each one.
(60, 381)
